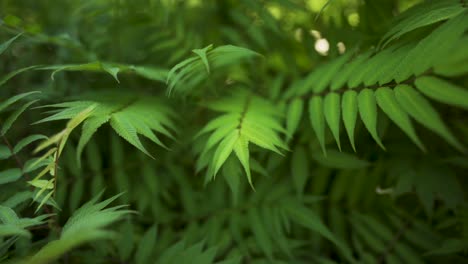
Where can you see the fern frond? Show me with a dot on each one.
(422, 15)
(5, 104)
(247, 119)
(129, 116)
(12, 225)
(378, 77)
(85, 225)
(113, 69)
(190, 72)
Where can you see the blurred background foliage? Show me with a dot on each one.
(373, 206)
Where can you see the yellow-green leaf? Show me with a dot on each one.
(42, 184)
(202, 54)
(80, 117)
(224, 150)
(241, 148)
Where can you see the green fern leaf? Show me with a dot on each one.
(429, 50)
(232, 174)
(329, 71)
(423, 15)
(5, 152)
(453, 63)
(340, 160)
(332, 111)
(202, 54)
(190, 72)
(349, 106)
(129, 116)
(68, 112)
(299, 168)
(112, 70)
(92, 66)
(146, 246)
(263, 137)
(390, 106)
(90, 126)
(85, 225)
(151, 73)
(306, 85)
(442, 91)
(12, 225)
(170, 255)
(421, 110)
(368, 112)
(12, 74)
(224, 149)
(241, 148)
(180, 253)
(362, 75)
(26, 141)
(124, 127)
(12, 118)
(349, 70)
(247, 119)
(293, 116)
(385, 73)
(14, 99)
(366, 235)
(309, 219)
(317, 119)
(7, 43)
(8, 216)
(261, 235)
(219, 134)
(10, 175)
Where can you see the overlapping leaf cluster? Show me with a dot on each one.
(397, 79)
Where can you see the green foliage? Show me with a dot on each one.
(145, 98)
(129, 115)
(248, 119)
(86, 224)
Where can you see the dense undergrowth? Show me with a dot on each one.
(272, 131)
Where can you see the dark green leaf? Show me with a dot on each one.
(442, 91)
(12, 118)
(340, 160)
(7, 43)
(146, 246)
(390, 106)
(10, 175)
(422, 111)
(368, 112)
(317, 119)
